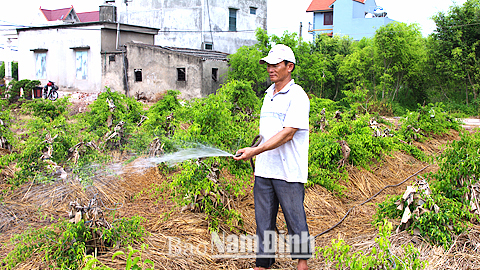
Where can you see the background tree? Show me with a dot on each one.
(456, 46)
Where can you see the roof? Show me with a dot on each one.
(92, 16)
(56, 14)
(102, 25)
(204, 54)
(324, 5)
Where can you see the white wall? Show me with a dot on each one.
(193, 19)
(60, 60)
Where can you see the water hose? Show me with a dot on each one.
(369, 199)
(256, 141)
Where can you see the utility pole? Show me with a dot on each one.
(300, 34)
(8, 62)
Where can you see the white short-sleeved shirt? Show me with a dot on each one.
(288, 108)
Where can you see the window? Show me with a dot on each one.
(181, 76)
(138, 74)
(208, 46)
(111, 58)
(81, 64)
(232, 19)
(328, 18)
(215, 74)
(253, 10)
(41, 65)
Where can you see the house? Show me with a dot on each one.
(213, 25)
(68, 15)
(88, 56)
(354, 18)
(154, 69)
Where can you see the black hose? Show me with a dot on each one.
(369, 199)
(256, 141)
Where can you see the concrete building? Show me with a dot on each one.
(199, 24)
(87, 57)
(354, 18)
(72, 55)
(153, 69)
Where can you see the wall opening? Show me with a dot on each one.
(41, 65)
(232, 19)
(181, 75)
(328, 18)
(138, 74)
(81, 65)
(215, 74)
(253, 10)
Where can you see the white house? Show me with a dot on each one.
(198, 24)
(88, 56)
(73, 55)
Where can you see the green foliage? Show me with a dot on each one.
(440, 228)
(430, 119)
(65, 134)
(65, 244)
(451, 184)
(379, 258)
(387, 210)
(14, 88)
(454, 52)
(47, 109)
(324, 153)
(459, 166)
(126, 109)
(227, 120)
(133, 262)
(156, 124)
(14, 70)
(224, 119)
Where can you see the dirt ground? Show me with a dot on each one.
(170, 240)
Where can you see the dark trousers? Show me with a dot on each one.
(268, 195)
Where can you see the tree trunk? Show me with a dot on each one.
(466, 92)
(473, 86)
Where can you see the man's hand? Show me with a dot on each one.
(245, 153)
(285, 135)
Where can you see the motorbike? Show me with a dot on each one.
(50, 91)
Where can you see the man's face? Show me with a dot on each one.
(279, 72)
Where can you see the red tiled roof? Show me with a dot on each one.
(319, 5)
(91, 16)
(56, 14)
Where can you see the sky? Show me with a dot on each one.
(283, 15)
(286, 15)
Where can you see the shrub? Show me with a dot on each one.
(65, 244)
(47, 109)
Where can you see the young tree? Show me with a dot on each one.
(400, 52)
(457, 46)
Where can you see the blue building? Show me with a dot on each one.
(354, 18)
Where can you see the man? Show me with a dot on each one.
(282, 161)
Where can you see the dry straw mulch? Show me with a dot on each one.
(138, 192)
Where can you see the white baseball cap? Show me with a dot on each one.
(278, 54)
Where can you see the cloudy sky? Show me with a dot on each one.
(283, 15)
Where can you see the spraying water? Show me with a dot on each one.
(200, 151)
(116, 169)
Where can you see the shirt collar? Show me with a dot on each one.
(285, 89)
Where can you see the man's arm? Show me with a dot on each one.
(285, 135)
